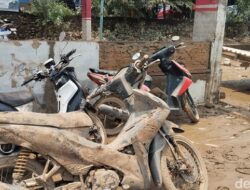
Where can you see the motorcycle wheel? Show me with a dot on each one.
(33, 168)
(113, 126)
(190, 108)
(178, 177)
(98, 133)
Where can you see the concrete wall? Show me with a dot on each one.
(209, 26)
(19, 59)
(204, 26)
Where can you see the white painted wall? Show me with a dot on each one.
(198, 90)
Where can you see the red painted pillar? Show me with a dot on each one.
(86, 19)
(206, 5)
(205, 20)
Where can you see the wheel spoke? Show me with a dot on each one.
(2, 174)
(6, 174)
(188, 172)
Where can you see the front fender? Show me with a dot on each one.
(170, 127)
(156, 148)
(5, 107)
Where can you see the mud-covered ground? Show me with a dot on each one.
(223, 133)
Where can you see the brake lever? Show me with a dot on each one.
(181, 47)
(152, 63)
(39, 75)
(76, 56)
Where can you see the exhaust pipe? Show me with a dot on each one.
(113, 112)
(7, 148)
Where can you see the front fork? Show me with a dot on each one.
(169, 138)
(175, 150)
(165, 137)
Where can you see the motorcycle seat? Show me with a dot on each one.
(17, 97)
(102, 72)
(67, 120)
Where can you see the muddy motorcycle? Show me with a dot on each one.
(177, 93)
(15, 100)
(69, 94)
(179, 79)
(146, 153)
(112, 124)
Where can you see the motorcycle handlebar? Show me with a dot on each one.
(165, 52)
(27, 81)
(37, 76)
(65, 58)
(162, 53)
(70, 53)
(179, 45)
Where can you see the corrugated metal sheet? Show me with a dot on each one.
(237, 51)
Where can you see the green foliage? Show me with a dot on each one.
(50, 11)
(241, 14)
(176, 4)
(244, 9)
(238, 21)
(126, 8)
(137, 8)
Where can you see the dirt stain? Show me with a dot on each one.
(13, 83)
(17, 43)
(245, 64)
(51, 48)
(36, 44)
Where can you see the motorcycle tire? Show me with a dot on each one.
(33, 167)
(190, 108)
(113, 126)
(176, 178)
(101, 132)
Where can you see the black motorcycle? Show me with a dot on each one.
(179, 79)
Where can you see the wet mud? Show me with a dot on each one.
(223, 133)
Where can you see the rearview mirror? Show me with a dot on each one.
(13, 29)
(136, 56)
